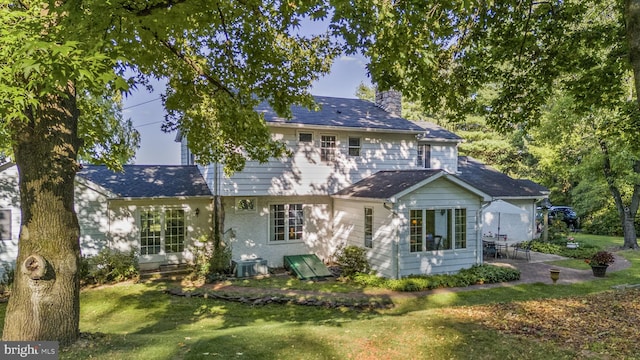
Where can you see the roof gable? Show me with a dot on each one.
(397, 183)
(148, 181)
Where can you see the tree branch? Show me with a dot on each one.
(191, 63)
(146, 11)
(226, 35)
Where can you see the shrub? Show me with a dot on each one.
(352, 260)
(8, 275)
(477, 274)
(110, 266)
(210, 263)
(559, 247)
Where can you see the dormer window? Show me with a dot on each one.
(424, 156)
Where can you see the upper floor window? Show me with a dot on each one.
(5, 224)
(287, 221)
(424, 156)
(305, 137)
(327, 147)
(354, 146)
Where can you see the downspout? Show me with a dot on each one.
(479, 222)
(396, 236)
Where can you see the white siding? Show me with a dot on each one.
(349, 230)
(248, 231)
(10, 200)
(91, 208)
(124, 218)
(441, 194)
(444, 156)
(306, 174)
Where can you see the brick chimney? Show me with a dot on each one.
(390, 101)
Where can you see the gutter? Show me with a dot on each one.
(391, 206)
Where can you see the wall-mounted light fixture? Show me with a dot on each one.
(197, 211)
(442, 211)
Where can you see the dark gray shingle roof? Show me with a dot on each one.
(340, 112)
(495, 183)
(147, 181)
(433, 131)
(385, 184)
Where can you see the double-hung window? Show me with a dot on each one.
(424, 156)
(162, 231)
(354, 146)
(286, 222)
(327, 147)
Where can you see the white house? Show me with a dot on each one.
(362, 175)
(158, 211)
(359, 175)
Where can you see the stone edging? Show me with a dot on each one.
(271, 299)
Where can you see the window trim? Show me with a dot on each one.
(368, 227)
(164, 234)
(456, 230)
(423, 156)
(300, 132)
(286, 223)
(251, 200)
(358, 148)
(325, 151)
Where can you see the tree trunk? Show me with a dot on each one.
(629, 228)
(44, 303)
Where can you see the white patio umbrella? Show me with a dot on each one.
(503, 207)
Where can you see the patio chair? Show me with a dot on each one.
(522, 248)
(489, 249)
(433, 242)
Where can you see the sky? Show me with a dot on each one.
(158, 148)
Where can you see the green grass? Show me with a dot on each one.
(139, 321)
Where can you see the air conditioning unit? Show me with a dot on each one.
(250, 267)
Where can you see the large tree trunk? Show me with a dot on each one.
(44, 303)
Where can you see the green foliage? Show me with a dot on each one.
(352, 260)
(210, 263)
(109, 266)
(477, 274)
(8, 275)
(559, 247)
